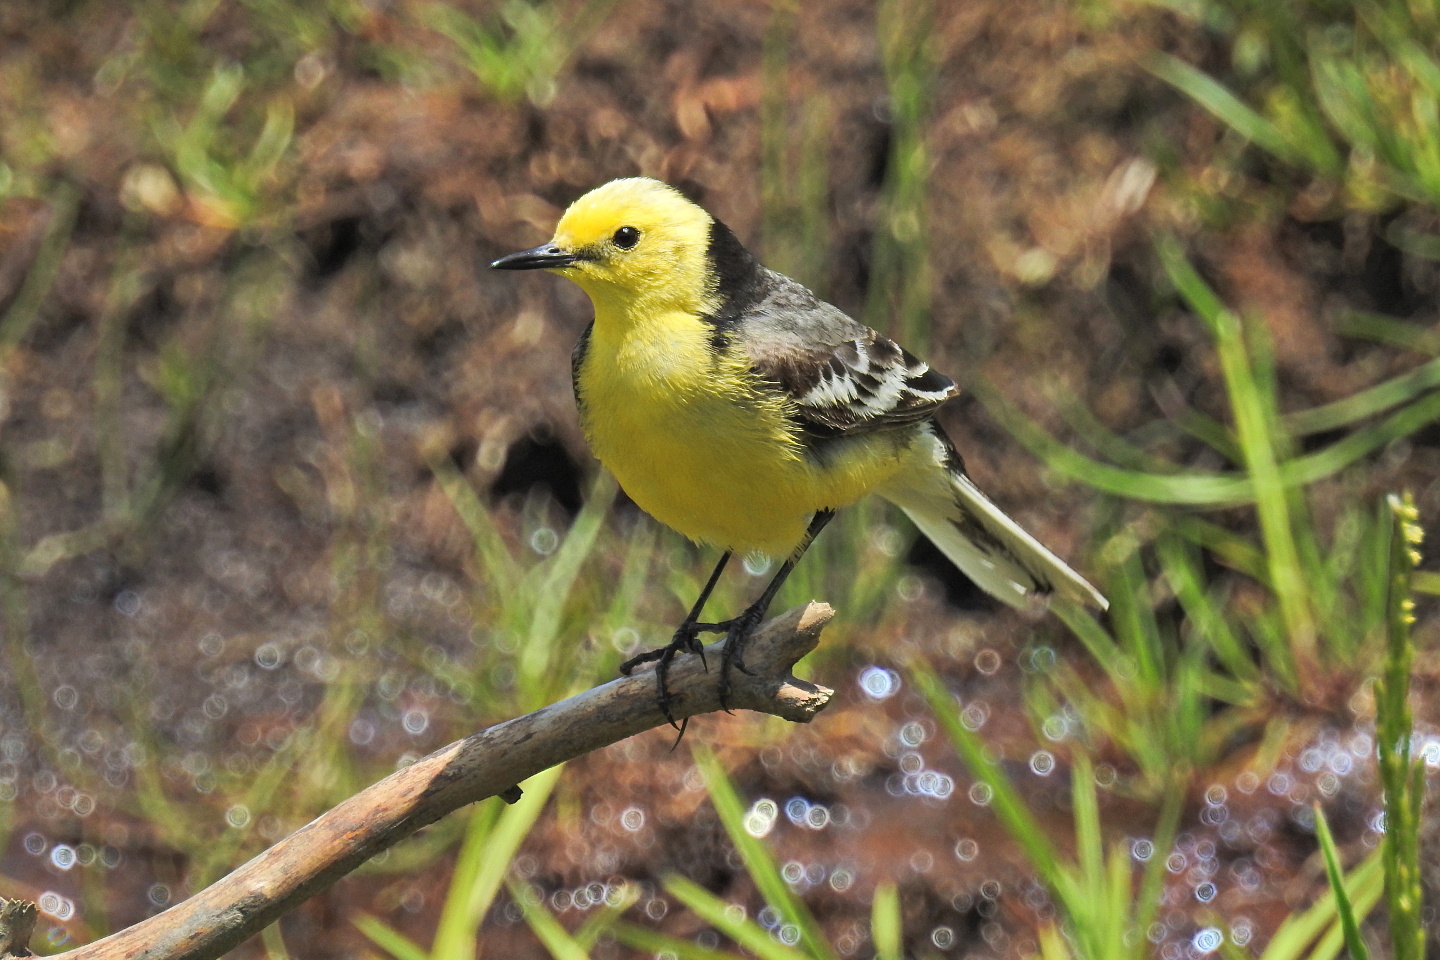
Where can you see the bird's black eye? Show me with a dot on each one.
(626, 237)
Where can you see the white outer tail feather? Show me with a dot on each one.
(988, 547)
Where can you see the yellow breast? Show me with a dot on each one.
(700, 449)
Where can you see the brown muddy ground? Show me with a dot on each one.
(352, 328)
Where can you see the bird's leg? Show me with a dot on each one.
(686, 639)
(742, 626)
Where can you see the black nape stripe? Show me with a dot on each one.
(740, 281)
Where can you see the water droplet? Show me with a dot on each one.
(158, 894)
(796, 808)
(238, 816)
(1176, 862)
(66, 697)
(1216, 795)
(1241, 931)
(1055, 728)
(211, 644)
(1214, 816)
(416, 721)
(841, 879)
(942, 937)
(817, 817)
(128, 603)
(1042, 762)
(267, 656)
(633, 819)
(987, 661)
(789, 934)
(974, 715)
(1247, 783)
(912, 734)
(1041, 659)
(1207, 940)
(544, 541)
(1142, 850)
(362, 731)
(54, 905)
(625, 640)
(1205, 892)
(981, 794)
(63, 856)
(761, 817)
(966, 849)
(879, 683)
(35, 844)
(793, 872)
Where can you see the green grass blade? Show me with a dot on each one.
(484, 859)
(24, 309)
(1379, 328)
(1368, 402)
(759, 862)
(1014, 815)
(658, 944)
(560, 572)
(1252, 403)
(1204, 611)
(1348, 926)
(885, 924)
(1227, 107)
(1193, 488)
(389, 939)
(720, 915)
(501, 572)
(604, 919)
(1330, 460)
(1299, 931)
(552, 936)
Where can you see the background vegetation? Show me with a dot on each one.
(291, 490)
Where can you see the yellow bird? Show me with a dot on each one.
(738, 408)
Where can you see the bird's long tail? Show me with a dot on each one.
(987, 546)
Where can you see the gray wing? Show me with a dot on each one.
(843, 377)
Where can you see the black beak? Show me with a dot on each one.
(545, 256)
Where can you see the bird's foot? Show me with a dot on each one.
(686, 640)
(737, 632)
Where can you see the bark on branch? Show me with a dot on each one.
(489, 763)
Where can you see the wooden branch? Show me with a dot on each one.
(486, 764)
(17, 921)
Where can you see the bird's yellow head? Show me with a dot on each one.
(634, 245)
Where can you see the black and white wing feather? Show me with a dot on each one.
(842, 377)
(870, 384)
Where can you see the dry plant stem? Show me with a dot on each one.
(483, 765)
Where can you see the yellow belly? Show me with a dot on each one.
(702, 453)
